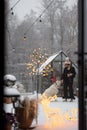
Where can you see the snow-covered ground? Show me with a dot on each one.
(64, 107)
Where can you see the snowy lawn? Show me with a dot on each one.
(64, 107)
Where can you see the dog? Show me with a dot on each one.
(53, 89)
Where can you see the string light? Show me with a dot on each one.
(12, 11)
(12, 8)
(24, 38)
(39, 18)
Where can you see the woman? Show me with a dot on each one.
(67, 79)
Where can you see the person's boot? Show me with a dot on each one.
(65, 100)
(71, 100)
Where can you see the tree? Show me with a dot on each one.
(63, 24)
(11, 23)
(51, 8)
